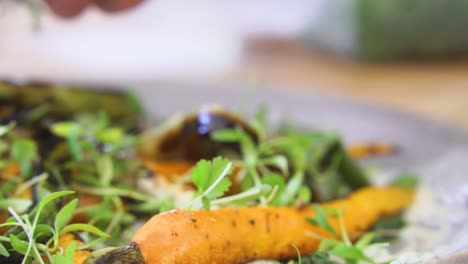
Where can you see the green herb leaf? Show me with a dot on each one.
(43, 230)
(275, 180)
(406, 181)
(110, 135)
(244, 197)
(304, 194)
(349, 252)
(249, 151)
(50, 197)
(292, 188)
(3, 251)
(248, 148)
(226, 135)
(327, 245)
(64, 129)
(321, 220)
(105, 169)
(67, 257)
(211, 179)
(85, 228)
(24, 151)
(18, 244)
(201, 175)
(206, 203)
(206, 173)
(65, 214)
(73, 143)
(365, 240)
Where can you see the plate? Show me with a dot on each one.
(434, 151)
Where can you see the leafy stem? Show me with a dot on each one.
(29, 231)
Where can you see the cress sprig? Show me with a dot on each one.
(340, 245)
(33, 238)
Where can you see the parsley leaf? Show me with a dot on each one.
(210, 179)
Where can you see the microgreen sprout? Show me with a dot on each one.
(340, 248)
(29, 241)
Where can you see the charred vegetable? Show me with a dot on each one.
(188, 137)
(313, 158)
(35, 106)
(30, 101)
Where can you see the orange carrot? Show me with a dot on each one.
(359, 151)
(238, 235)
(170, 169)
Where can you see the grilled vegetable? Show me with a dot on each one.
(238, 235)
(318, 160)
(35, 106)
(188, 138)
(177, 145)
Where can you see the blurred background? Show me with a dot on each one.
(408, 55)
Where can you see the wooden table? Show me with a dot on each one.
(437, 90)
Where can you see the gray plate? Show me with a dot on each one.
(436, 152)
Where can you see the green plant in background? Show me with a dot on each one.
(392, 29)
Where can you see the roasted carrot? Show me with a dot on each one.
(365, 150)
(170, 169)
(238, 235)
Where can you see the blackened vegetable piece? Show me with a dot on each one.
(35, 106)
(187, 138)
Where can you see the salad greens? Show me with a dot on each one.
(77, 172)
(34, 240)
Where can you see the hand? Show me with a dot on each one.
(72, 8)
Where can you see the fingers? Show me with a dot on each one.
(67, 8)
(73, 8)
(116, 5)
